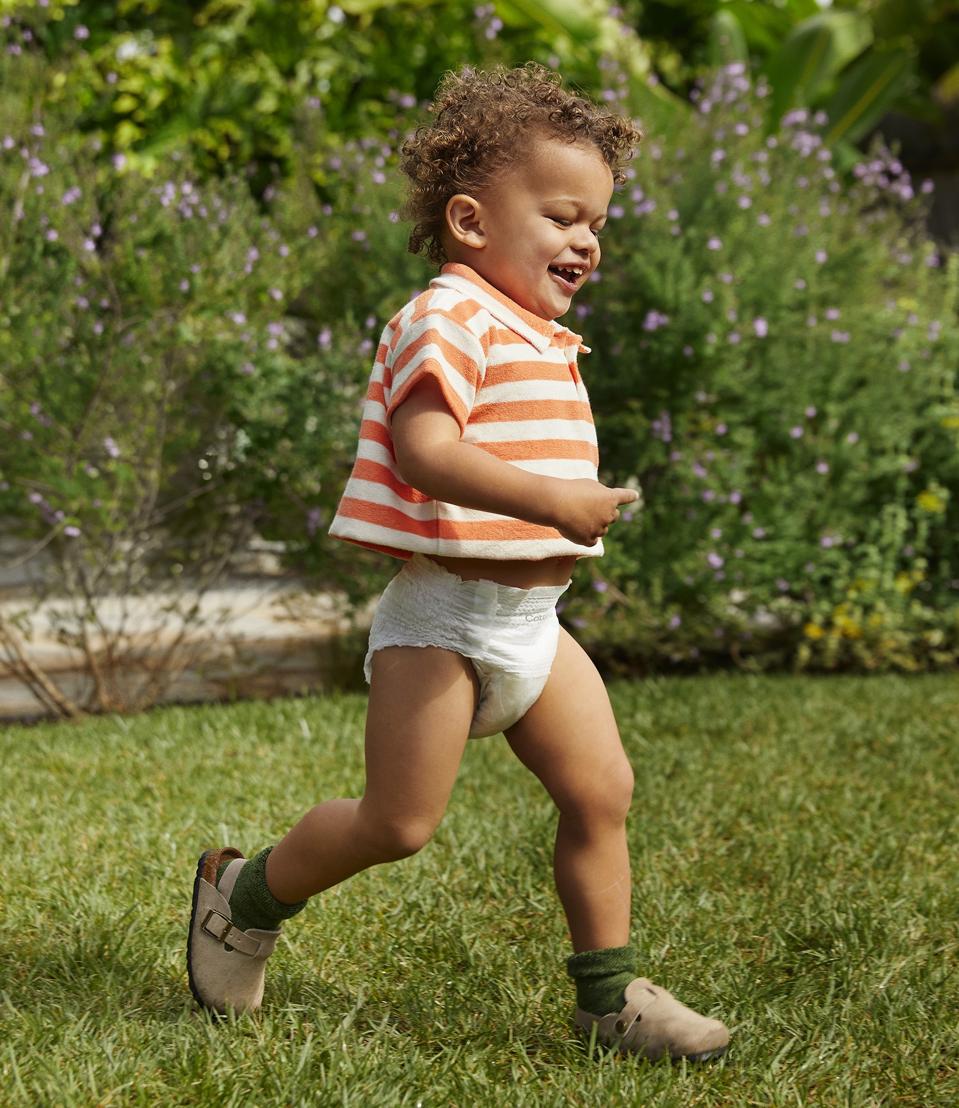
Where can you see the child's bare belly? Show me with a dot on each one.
(521, 575)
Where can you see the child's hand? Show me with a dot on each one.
(585, 509)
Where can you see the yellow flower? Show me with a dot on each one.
(848, 628)
(931, 502)
(813, 631)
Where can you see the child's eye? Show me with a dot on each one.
(568, 223)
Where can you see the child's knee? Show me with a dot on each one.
(618, 792)
(392, 838)
(607, 796)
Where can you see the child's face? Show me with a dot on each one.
(543, 214)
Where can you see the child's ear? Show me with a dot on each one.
(464, 220)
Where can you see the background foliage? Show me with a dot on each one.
(194, 280)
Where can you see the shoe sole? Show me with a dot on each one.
(189, 943)
(705, 1056)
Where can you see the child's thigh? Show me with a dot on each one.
(570, 740)
(422, 701)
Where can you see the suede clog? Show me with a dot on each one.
(226, 966)
(653, 1023)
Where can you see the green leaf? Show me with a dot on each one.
(947, 87)
(812, 54)
(364, 7)
(727, 43)
(871, 86)
(765, 25)
(566, 17)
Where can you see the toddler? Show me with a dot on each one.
(477, 467)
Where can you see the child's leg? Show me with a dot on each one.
(569, 739)
(422, 701)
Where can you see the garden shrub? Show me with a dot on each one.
(160, 400)
(182, 368)
(775, 362)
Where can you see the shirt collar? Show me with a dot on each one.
(539, 332)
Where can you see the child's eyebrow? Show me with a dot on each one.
(572, 200)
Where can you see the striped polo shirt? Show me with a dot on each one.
(510, 380)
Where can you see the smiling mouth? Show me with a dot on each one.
(568, 277)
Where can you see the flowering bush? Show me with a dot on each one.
(160, 396)
(774, 361)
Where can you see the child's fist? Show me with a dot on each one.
(585, 509)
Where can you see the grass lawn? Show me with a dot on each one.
(794, 871)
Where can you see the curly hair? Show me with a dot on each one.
(485, 121)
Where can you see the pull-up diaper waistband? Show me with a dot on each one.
(506, 602)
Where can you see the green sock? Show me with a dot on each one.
(601, 976)
(251, 902)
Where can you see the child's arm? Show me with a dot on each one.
(432, 458)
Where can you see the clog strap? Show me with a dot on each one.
(634, 1007)
(222, 929)
(228, 880)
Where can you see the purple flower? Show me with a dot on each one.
(111, 447)
(796, 432)
(714, 243)
(81, 32)
(71, 532)
(761, 327)
(821, 256)
(600, 586)
(810, 412)
(822, 467)
(714, 560)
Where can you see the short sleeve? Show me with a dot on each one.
(441, 347)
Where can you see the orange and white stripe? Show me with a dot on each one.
(510, 380)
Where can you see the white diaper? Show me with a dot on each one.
(510, 635)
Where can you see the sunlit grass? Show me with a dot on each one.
(794, 872)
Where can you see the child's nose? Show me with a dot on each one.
(585, 240)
